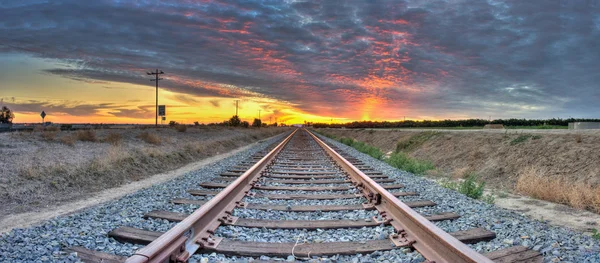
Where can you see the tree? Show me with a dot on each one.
(6, 115)
(235, 121)
(256, 123)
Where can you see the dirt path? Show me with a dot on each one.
(31, 218)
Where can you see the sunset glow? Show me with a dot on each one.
(316, 61)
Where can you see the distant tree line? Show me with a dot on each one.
(450, 123)
(235, 121)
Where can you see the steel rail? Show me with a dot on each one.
(414, 230)
(175, 246)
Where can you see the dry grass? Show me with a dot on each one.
(38, 128)
(86, 136)
(68, 140)
(49, 135)
(578, 138)
(113, 138)
(536, 182)
(52, 128)
(150, 138)
(181, 128)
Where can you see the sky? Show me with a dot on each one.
(295, 61)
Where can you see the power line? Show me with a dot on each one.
(156, 79)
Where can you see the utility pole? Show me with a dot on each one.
(156, 79)
(236, 107)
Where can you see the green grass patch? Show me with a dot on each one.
(471, 186)
(404, 162)
(415, 141)
(363, 147)
(523, 138)
(596, 234)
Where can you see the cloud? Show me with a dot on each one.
(331, 58)
(215, 103)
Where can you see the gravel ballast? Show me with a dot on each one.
(89, 227)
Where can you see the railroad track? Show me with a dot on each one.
(306, 170)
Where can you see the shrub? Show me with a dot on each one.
(471, 186)
(404, 162)
(181, 128)
(38, 128)
(68, 140)
(49, 135)
(113, 138)
(347, 141)
(234, 121)
(86, 135)
(150, 138)
(256, 123)
(245, 124)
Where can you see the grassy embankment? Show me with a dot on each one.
(471, 186)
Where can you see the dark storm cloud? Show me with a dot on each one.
(517, 58)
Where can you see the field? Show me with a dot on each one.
(50, 167)
(556, 165)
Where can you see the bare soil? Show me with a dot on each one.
(45, 168)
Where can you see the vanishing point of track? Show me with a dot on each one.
(302, 162)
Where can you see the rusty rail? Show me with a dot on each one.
(431, 241)
(176, 246)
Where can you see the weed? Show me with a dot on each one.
(595, 234)
(520, 139)
(404, 162)
(371, 131)
(415, 141)
(490, 199)
(113, 138)
(536, 137)
(578, 138)
(86, 135)
(363, 147)
(447, 183)
(150, 138)
(470, 187)
(347, 141)
(503, 194)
